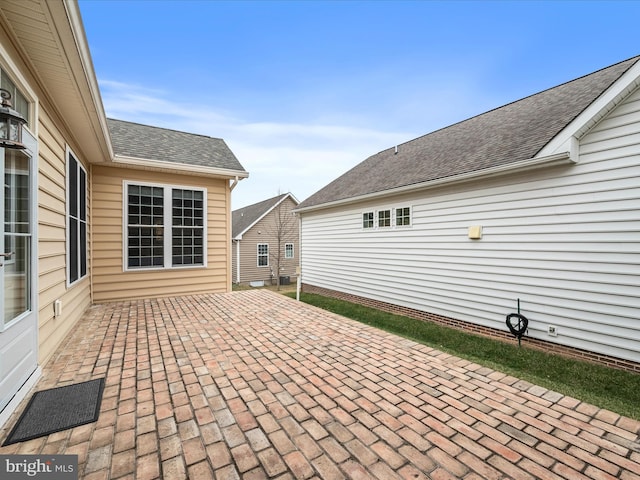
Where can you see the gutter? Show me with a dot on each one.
(562, 158)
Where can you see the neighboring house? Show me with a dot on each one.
(265, 241)
(537, 200)
(94, 209)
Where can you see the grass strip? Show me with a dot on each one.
(608, 388)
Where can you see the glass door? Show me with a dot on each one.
(16, 271)
(18, 321)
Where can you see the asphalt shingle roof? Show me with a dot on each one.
(153, 143)
(508, 134)
(243, 218)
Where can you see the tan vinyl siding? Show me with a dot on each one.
(263, 232)
(52, 275)
(111, 282)
(564, 240)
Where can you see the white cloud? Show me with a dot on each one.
(279, 157)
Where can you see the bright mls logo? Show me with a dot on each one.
(51, 467)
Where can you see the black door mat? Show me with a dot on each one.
(58, 409)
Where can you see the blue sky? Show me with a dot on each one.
(302, 91)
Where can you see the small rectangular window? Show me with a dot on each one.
(263, 254)
(288, 250)
(384, 218)
(367, 220)
(403, 216)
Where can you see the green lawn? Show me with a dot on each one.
(608, 388)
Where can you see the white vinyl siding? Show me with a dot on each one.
(563, 240)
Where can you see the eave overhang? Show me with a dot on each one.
(51, 41)
(182, 168)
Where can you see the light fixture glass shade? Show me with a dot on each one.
(11, 123)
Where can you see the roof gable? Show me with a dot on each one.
(133, 140)
(245, 218)
(509, 134)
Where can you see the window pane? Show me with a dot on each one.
(187, 208)
(145, 246)
(82, 194)
(182, 251)
(403, 216)
(83, 249)
(367, 220)
(73, 187)
(384, 218)
(263, 255)
(73, 250)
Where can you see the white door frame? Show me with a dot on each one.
(28, 323)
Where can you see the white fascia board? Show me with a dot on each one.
(183, 168)
(536, 162)
(583, 123)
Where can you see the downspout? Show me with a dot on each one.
(232, 185)
(237, 261)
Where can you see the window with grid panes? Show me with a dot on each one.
(187, 232)
(403, 216)
(367, 220)
(384, 218)
(263, 254)
(145, 226)
(165, 227)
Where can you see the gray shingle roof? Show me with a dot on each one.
(514, 132)
(153, 143)
(243, 218)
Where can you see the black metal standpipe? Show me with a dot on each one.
(517, 329)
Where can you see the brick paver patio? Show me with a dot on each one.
(253, 385)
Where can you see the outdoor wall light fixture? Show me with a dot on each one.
(11, 123)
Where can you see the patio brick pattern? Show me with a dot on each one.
(254, 385)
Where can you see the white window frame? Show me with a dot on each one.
(167, 226)
(69, 218)
(395, 216)
(378, 212)
(286, 251)
(373, 220)
(258, 255)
